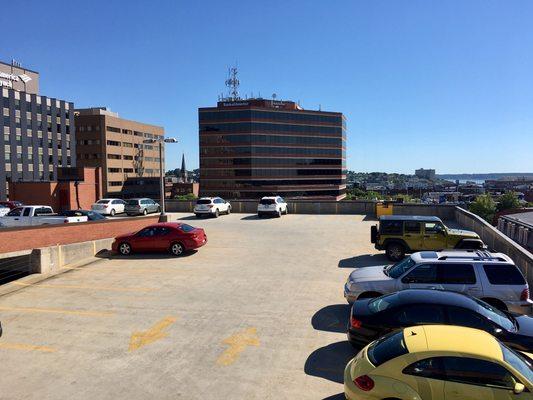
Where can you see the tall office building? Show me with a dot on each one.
(256, 147)
(116, 144)
(38, 130)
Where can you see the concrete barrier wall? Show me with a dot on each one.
(33, 237)
(497, 241)
(443, 211)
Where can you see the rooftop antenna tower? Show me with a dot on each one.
(233, 84)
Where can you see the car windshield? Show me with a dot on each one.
(187, 228)
(495, 315)
(398, 269)
(102, 202)
(387, 348)
(382, 303)
(268, 201)
(132, 202)
(204, 201)
(518, 361)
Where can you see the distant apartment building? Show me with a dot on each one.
(116, 144)
(38, 131)
(256, 147)
(425, 174)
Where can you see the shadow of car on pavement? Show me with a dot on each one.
(333, 318)
(328, 362)
(364, 260)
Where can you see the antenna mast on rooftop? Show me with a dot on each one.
(233, 84)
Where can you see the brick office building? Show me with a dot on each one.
(256, 147)
(38, 131)
(116, 144)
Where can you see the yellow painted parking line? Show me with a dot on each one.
(237, 344)
(58, 311)
(122, 269)
(105, 288)
(155, 333)
(26, 347)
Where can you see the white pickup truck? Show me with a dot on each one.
(35, 215)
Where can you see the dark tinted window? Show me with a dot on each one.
(132, 202)
(411, 227)
(504, 274)
(420, 314)
(43, 211)
(422, 274)
(267, 201)
(147, 232)
(94, 216)
(186, 228)
(456, 273)
(383, 302)
(391, 227)
(203, 201)
(387, 348)
(462, 317)
(161, 231)
(15, 212)
(428, 368)
(26, 212)
(477, 372)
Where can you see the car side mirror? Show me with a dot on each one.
(518, 388)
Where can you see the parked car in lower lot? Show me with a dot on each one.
(372, 318)
(11, 204)
(91, 215)
(439, 362)
(142, 206)
(109, 206)
(36, 215)
(213, 206)
(172, 237)
(4, 210)
(274, 205)
(401, 234)
(492, 277)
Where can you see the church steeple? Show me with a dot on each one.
(183, 172)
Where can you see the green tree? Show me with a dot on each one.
(188, 196)
(484, 206)
(508, 201)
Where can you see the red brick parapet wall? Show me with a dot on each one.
(33, 237)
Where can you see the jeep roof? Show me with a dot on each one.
(461, 255)
(409, 218)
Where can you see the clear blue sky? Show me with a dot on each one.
(434, 84)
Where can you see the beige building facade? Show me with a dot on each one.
(116, 144)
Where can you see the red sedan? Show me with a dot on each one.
(166, 236)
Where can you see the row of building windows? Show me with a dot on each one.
(265, 172)
(258, 127)
(222, 140)
(87, 156)
(242, 184)
(29, 107)
(130, 132)
(128, 157)
(268, 162)
(88, 142)
(125, 170)
(88, 128)
(270, 151)
(38, 125)
(130, 145)
(279, 116)
(284, 192)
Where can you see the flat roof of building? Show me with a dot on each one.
(20, 67)
(525, 218)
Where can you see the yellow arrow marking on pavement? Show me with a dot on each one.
(140, 339)
(237, 344)
(26, 347)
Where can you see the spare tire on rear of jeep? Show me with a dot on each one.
(395, 251)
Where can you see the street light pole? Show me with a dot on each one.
(160, 141)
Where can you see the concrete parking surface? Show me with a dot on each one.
(257, 313)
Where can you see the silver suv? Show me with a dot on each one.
(492, 277)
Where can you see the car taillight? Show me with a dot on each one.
(354, 322)
(524, 295)
(65, 221)
(364, 382)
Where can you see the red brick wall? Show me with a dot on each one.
(15, 239)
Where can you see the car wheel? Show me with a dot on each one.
(145, 211)
(260, 215)
(278, 214)
(395, 251)
(217, 213)
(229, 211)
(286, 210)
(124, 249)
(112, 212)
(158, 210)
(177, 249)
(198, 215)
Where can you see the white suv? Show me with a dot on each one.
(491, 277)
(274, 205)
(211, 206)
(109, 206)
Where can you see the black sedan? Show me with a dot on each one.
(91, 215)
(372, 318)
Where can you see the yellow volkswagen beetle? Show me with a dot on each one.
(433, 362)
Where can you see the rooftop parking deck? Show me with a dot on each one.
(257, 313)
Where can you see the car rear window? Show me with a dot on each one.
(203, 201)
(132, 202)
(504, 274)
(186, 228)
(382, 303)
(267, 201)
(102, 202)
(391, 227)
(387, 348)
